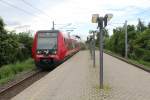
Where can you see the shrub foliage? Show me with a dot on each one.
(138, 41)
(14, 47)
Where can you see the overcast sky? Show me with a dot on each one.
(76, 12)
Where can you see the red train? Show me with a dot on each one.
(52, 46)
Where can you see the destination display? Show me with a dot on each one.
(47, 35)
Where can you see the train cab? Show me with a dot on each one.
(51, 47)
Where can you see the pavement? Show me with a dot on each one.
(76, 79)
(69, 81)
(127, 82)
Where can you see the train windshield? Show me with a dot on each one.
(47, 41)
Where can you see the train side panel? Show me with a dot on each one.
(61, 46)
(34, 46)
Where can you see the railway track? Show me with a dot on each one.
(16, 87)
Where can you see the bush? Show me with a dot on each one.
(146, 56)
(11, 50)
(7, 72)
(132, 56)
(138, 52)
(14, 47)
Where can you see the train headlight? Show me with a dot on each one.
(38, 52)
(46, 52)
(55, 52)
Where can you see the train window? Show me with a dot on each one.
(76, 45)
(65, 41)
(70, 44)
(73, 45)
(47, 41)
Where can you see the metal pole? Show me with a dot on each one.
(101, 51)
(53, 26)
(89, 47)
(126, 41)
(93, 49)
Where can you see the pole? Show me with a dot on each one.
(93, 49)
(102, 23)
(101, 50)
(101, 59)
(53, 26)
(126, 40)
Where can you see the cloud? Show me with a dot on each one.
(78, 12)
(12, 23)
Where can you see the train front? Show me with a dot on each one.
(46, 49)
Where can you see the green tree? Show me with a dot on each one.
(131, 37)
(142, 46)
(2, 30)
(149, 25)
(140, 26)
(13, 47)
(138, 41)
(26, 42)
(105, 36)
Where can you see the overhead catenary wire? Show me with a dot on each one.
(20, 9)
(39, 10)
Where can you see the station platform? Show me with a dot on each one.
(75, 79)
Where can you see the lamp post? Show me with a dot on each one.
(93, 49)
(90, 46)
(126, 41)
(102, 23)
(93, 46)
(88, 43)
(53, 27)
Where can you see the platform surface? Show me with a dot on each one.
(69, 81)
(76, 79)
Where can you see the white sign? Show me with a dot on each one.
(94, 18)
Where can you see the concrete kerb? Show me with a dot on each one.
(127, 61)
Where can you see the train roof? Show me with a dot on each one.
(65, 34)
(51, 31)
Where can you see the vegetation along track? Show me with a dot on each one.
(16, 87)
(129, 62)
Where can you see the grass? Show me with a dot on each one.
(146, 64)
(8, 72)
(106, 88)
